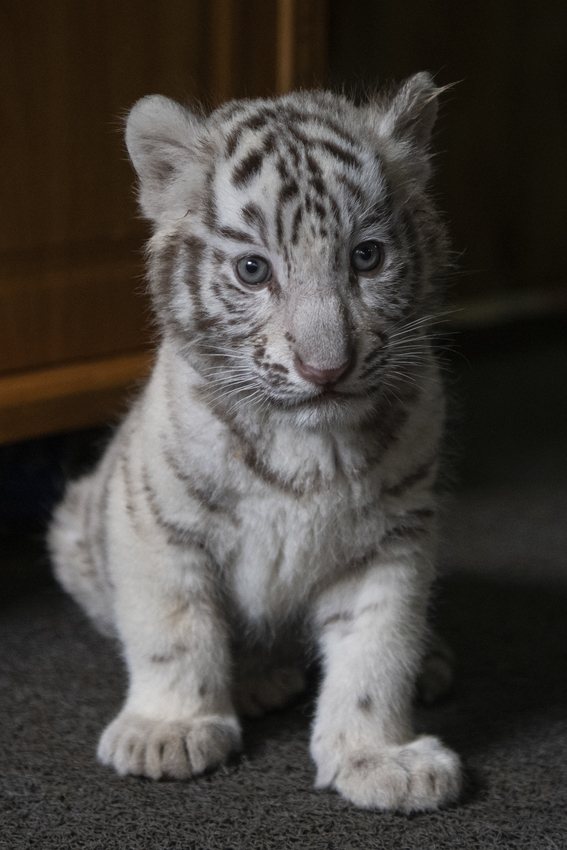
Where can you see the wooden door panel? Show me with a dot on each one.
(61, 305)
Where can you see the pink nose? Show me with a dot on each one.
(321, 377)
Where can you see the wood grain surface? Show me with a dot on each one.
(71, 269)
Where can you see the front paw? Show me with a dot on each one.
(145, 747)
(419, 776)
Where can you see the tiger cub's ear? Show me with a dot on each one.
(411, 113)
(164, 141)
(404, 120)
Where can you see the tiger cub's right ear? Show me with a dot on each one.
(165, 146)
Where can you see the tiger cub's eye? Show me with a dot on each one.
(367, 256)
(253, 271)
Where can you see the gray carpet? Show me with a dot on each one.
(501, 603)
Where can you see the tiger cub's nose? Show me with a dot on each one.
(320, 377)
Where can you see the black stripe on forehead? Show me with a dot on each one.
(318, 186)
(284, 115)
(256, 121)
(247, 168)
(255, 217)
(311, 144)
(287, 192)
(320, 210)
(235, 235)
(293, 144)
(319, 119)
(295, 154)
(282, 168)
(353, 188)
(313, 166)
(348, 157)
(251, 164)
(231, 109)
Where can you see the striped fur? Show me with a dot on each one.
(275, 475)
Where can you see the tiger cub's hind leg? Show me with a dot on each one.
(263, 684)
(74, 543)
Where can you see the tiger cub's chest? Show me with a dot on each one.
(288, 544)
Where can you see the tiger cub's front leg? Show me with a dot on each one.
(370, 633)
(178, 719)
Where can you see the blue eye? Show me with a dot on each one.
(253, 271)
(367, 256)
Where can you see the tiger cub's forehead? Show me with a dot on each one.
(293, 172)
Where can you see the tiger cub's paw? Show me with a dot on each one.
(145, 747)
(419, 776)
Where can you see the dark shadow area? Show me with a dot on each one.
(32, 479)
(510, 641)
(508, 399)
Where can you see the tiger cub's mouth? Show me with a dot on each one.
(325, 397)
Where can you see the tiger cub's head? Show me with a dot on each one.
(295, 251)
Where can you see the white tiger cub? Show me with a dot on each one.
(271, 488)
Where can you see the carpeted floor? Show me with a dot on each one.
(501, 603)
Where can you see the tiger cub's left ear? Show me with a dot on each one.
(412, 111)
(404, 122)
(164, 140)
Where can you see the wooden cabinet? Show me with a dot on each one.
(74, 320)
